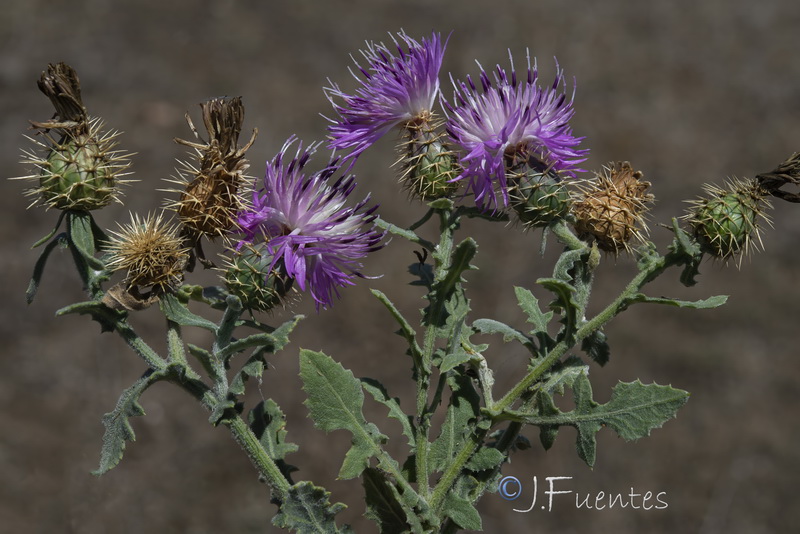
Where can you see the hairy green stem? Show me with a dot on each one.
(151, 358)
(649, 271)
(432, 319)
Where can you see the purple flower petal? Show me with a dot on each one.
(396, 88)
(510, 114)
(306, 224)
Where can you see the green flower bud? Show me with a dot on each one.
(538, 195)
(725, 222)
(249, 277)
(78, 174)
(77, 166)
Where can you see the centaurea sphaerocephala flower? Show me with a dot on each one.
(306, 225)
(509, 116)
(396, 88)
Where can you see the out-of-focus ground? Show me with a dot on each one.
(688, 91)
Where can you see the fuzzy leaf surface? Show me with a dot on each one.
(379, 393)
(307, 510)
(633, 411)
(335, 401)
(268, 423)
(383, 503)
(176, 311)
(462, 512)
(118, 428)
(462, 410)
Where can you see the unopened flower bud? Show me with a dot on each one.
(612, 206)
(726, 221)
(251, 276)
(78, 168)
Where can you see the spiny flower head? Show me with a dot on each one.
(396, 88)
(209, 199)
(612, 207)
(77, 166)
(510, 114)
(251, 275)
(151, 251)
(305, 224)
(726, 221)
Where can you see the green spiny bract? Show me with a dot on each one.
(77, 166)
(612, 206)
(726, 221)
(428, 166)
(248, 276)
(537, 193)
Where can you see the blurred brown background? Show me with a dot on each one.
(688, 91)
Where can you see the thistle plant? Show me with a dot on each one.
(498, 151)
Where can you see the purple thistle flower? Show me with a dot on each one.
(395, 89)
(307, 226)
(511, 115)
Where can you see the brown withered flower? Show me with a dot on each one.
(209, 195)
(152, 253)
(611, 207)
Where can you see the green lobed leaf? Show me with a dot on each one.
(459, 356)
(402, 232)
(563, 375)
(107, 317)
(564, 302)
(384, 503)
(335, 401)
(176, 311)
(689, 250)
(406, 330)
(633, 411)
(462, 410)
(268, 423)
(564, 266)
(596, 346)
(38, 268)
(118, 428)
(379, 393)
(711, 302)
(490, 326)
(462, 512)
(81, 235)
(530, 306)
(52, 232)
(485, 458)
(307, 510)
(462, 255)
(254, 367)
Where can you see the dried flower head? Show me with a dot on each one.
(151, 251)
(77, 166)
(510, 115)
(304, 223)
(726, 221)
(611, 207)
(397, 88)
(209, 195)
